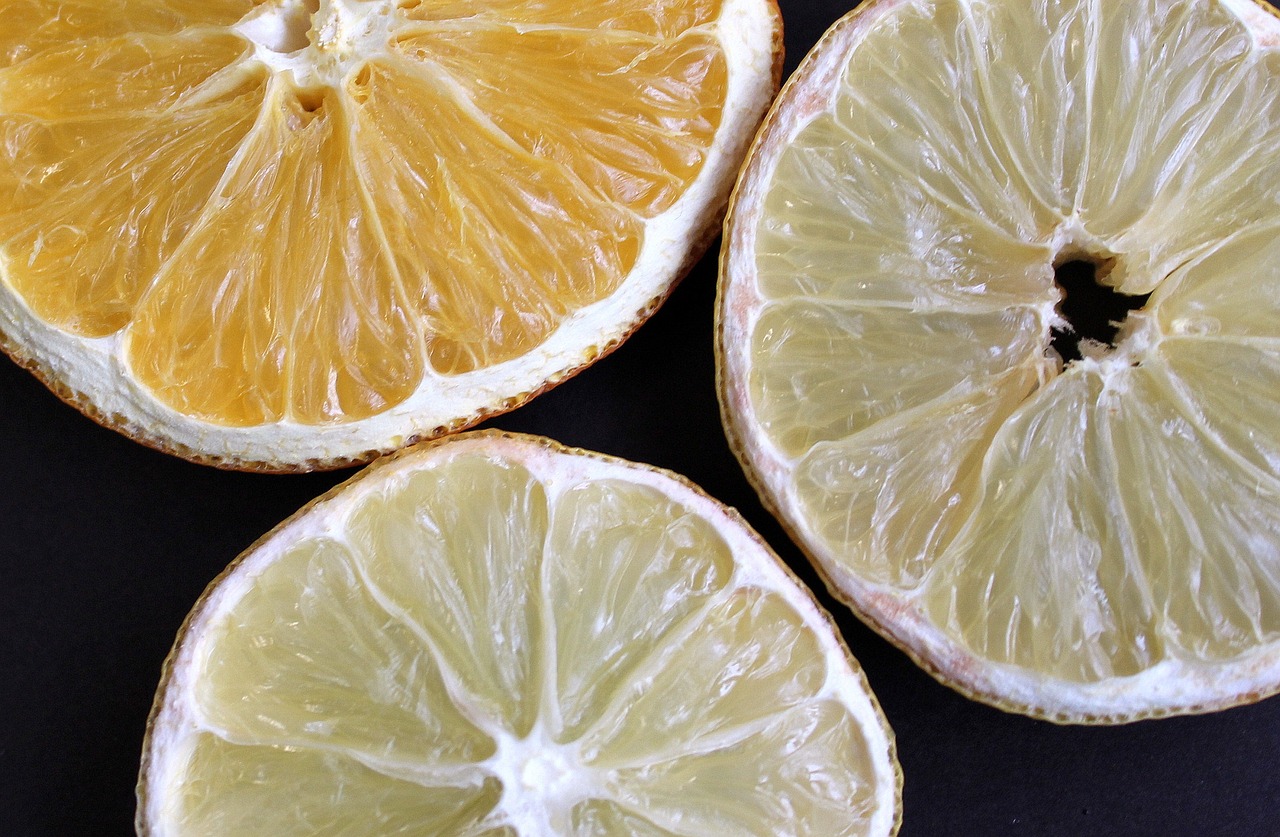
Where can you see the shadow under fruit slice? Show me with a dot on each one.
(287, 234)
(999, 343)
(492, 634)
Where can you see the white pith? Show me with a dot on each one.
(542, 779)
(94, 372)
(1179, 683)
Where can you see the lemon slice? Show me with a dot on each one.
(1081, 537)
(294, 233)
(495, 635)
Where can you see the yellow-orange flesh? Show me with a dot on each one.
(296, 211)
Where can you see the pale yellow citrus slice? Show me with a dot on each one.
(1092, 538)
(288, 234)
(495, 635)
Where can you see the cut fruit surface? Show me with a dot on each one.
(1090, 540)
(493, 634)
(294, 233)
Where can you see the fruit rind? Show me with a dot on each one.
(557, 468)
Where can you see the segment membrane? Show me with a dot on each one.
(1207, 527)
(457, 552)
(496, 247)
(222, 337)
(309, 661)
(235, 791)
(631, 119)
(636, 566)
(796, 777)
(1045, 575)
(823, 372)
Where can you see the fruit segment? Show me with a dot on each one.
(441, 184)
(465, 573)
(719, 705)
(287, 792)
(33, 27)
(1228, 387)
(937, 137)
(642, 569)
(825, 371)
(1204, 528)
(1178, 166)
(1231, 294)
(1044, 574)
(1033, 67)
(634, 138)
(794, 775)
(311, 660)
(218, 336)
(889, 499)
(97, 195)
(856, 230)
(661, 20)
(120, 77)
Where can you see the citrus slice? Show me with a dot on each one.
(286, 234)
(1084, 530)
(492, 634)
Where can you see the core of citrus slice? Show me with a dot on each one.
(496, 635)
(1090, 534)
(284, 234)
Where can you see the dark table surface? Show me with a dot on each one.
(105, 545)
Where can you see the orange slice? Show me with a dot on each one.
(290, 234)
(1088, 535)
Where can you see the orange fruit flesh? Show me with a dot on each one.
(277, 250)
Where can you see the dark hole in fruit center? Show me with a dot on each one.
(1093, 311)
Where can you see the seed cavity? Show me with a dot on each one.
(1092, 311)
(282, 26)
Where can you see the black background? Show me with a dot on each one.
(105, 545)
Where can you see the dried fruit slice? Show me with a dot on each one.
(295, 233)
(1087, 534)
(492, 635)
